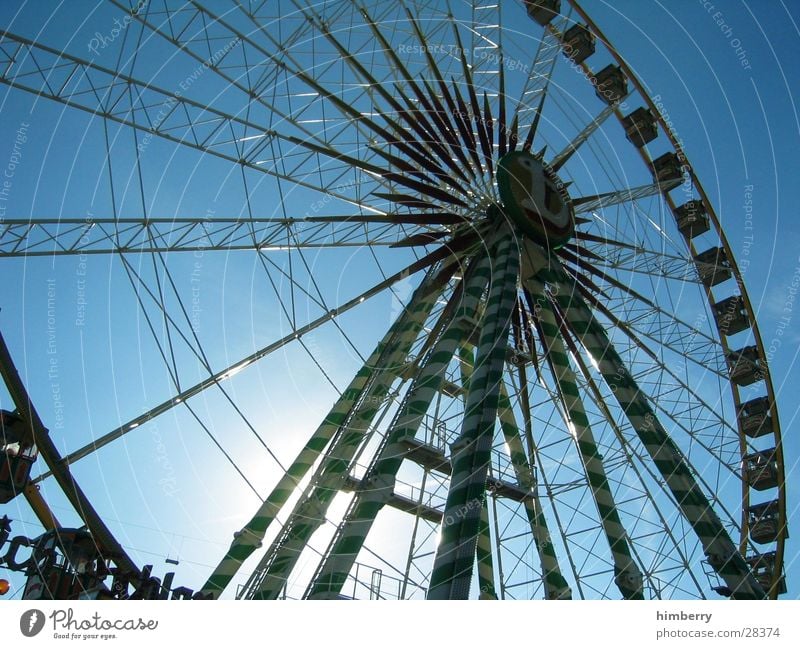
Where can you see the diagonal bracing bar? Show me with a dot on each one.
(484, 555)
(250, 537)
(555, 586)
(103, 236)
(109, 547)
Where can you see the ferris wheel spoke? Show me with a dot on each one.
(478, 116)
(168, 355)
(435, 127)
(135, 280)
(667, 320)
(279, 64)
(96, 236)
(188, 27)
(563, 157)
(723, 554)
(429, 114)
(584, 536)
(487, 46)
(406, 144)
(235, 368)
(688, 394)
(654, 570)
(425, 142)
(232, 138)
(693, 433)
(524, 437)
(502, 99)
(287, 40)
(637, 467)
(462, 120)
(551, 491)
(634, 259)
(648, 323)
(531, 101)
(249, 538)
(627, 575)
(457, 109)
(598, 202)
(169, 325)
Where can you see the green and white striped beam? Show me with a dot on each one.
(626, 574)
(309, 513)
(380, 478)
(250, 538)
(555, 586)
(471, 453)
(722, 553)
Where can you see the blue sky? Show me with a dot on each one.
(724, 75)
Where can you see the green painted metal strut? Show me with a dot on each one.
(627, 575)
(555, 586)
(249, 539)
(309, 513)
(455, 555)
(722, 553)
(380, 478)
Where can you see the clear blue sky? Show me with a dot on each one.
(725, 72)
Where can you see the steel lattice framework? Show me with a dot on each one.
(552, 417)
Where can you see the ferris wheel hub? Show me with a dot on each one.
(535, 199)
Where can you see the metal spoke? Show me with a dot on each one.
(98, 236)
(599, 202)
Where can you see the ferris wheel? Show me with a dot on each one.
(425, 297)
